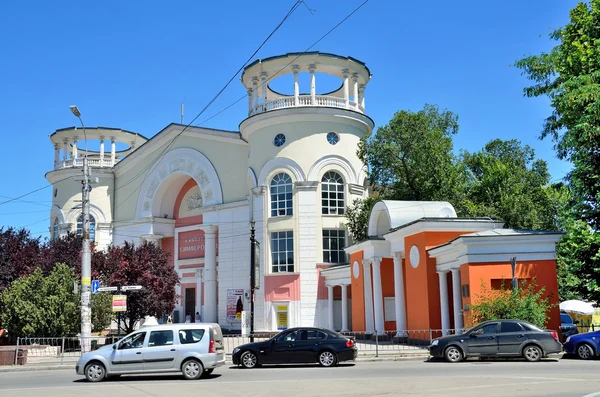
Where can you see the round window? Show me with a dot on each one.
(279, 140)
(333, 138)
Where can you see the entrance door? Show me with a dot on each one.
(190, 303)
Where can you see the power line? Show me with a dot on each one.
(31, 192)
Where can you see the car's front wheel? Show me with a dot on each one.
(585, 351)
(532, 353)
(192, 369)
(327, 359)
(95, 372)
(249, 360)
(453, 354)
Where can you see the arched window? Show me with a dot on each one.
(92, 227)
(55, 229)
(281, 195)
(332, 194)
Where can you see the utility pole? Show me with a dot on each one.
(515, 281)
(253, 242)
(86, 258)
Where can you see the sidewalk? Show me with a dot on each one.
(70, 364)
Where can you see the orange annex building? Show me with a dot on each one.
(422, 267)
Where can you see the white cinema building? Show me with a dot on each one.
(291, 169)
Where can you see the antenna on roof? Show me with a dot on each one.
(181, 112)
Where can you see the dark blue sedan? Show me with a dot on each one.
(585, 346)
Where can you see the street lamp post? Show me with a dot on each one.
(86, 258)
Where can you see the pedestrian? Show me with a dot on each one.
(188, 318)
(170, 319)
(197, 319)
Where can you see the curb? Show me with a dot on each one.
(26, 368)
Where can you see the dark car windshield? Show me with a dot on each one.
(565, 319)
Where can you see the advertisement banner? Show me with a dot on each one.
(235, 305)
(119, 303)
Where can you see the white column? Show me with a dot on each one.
(101, 151)
(330, 306)
(74, 155)
(56, 154)
(370, 327)
(361, 95)
(355, 89)
(313, 85)
(296, 69)
(399, 301)
(210, 274)
(346, 88)
(456, 295)
(113, 150)
(345, 308)
(254, 93)
(444, 301)
(65, 150)
(378, 296)
(263, 77)
(250, 100)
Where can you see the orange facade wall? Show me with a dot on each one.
(358, 290)
(387, 287)
(544, 273)
(191, 220)
(282, 287)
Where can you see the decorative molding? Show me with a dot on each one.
(317, 168)
(356, 189)
(252, 178)
(306, 185)
(184, 161)
(259, 190)
(281, 164)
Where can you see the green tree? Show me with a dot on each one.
(507, 182)
(527, 303)
(42, 305)
(357, 218)
(102, 313)
(411, 158)
(570, 76)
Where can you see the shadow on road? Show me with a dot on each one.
(267, 366)
(489, 360)
(146, 378)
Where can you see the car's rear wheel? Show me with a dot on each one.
(327, 359)
(192, 369)
(532, 353)
(453, 354)
(585, 351)
(249, 360)
(95, 371)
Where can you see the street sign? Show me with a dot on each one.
(103, 289)
(119, 303)
(130, 287)
(95, 286)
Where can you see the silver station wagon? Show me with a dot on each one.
(192, 349)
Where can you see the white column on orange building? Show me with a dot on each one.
(313, 85)
(65, 150)
(355, 88)
(102, 151)
(74, 155)
(361, 95)
(330, 307)
(457, 300)
(56, 154)
(444, 300)
(250, 101)
(263, 77)
(210, 273)
(369, 326)
(378, 296)
(345, 308)
(296, 69)
(399, 301)
(254, 93)
(345, 73)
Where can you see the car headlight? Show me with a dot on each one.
(237, 349)
(435, 342)
(568, 339)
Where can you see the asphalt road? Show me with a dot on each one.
(401, 378)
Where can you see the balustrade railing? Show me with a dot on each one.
(92, 162)
(306, 100)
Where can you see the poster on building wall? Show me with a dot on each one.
(191, 245)
(282, 317)
(235, 305)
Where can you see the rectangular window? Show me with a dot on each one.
(187, 336)
(334, 242)
(160, 338)
(282, 252)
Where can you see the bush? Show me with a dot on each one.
(526, 304)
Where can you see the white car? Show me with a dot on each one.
(192, 349)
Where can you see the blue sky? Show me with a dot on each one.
(130, 64)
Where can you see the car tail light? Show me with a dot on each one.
(211, 347)
(349, 343)
(554, 335)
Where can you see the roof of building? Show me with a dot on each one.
(501, 233)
